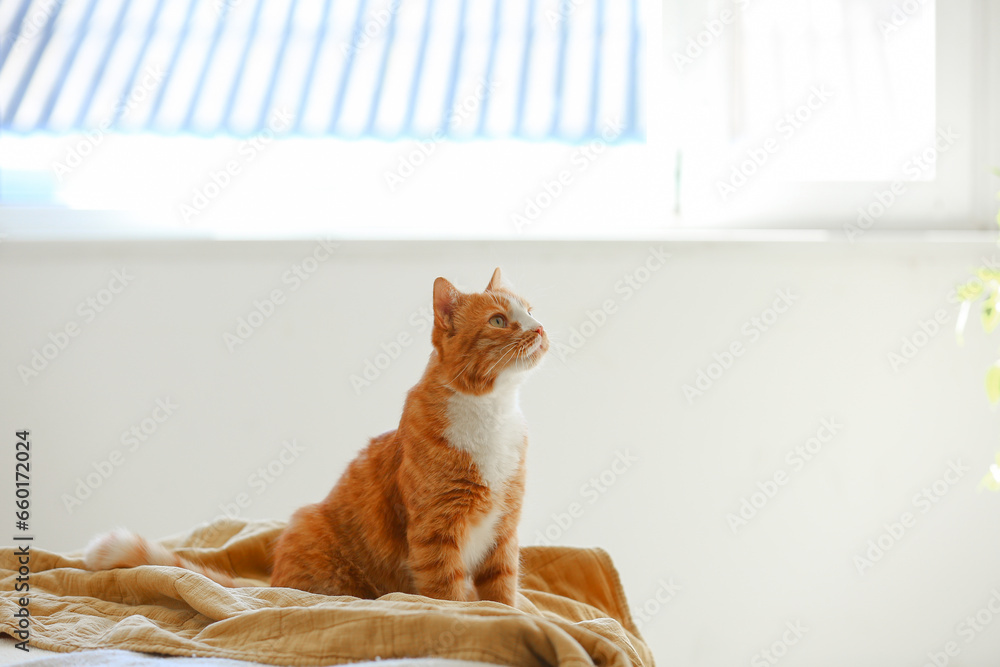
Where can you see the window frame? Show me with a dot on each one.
(960, 195)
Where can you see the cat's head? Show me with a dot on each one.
(484, 336)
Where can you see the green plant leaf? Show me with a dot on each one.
(988, 275)
(987, 483)
(991, 480)
(993, 383)
(971, 290)
(991, 316)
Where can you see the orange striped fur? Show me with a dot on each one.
(432, 507)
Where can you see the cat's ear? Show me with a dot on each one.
(496, 282)
(445, 296)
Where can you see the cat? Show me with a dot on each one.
(431, 508)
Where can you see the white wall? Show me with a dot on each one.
(664, 518)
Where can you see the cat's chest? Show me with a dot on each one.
(492, 430)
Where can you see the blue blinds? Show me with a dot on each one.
(562, 70)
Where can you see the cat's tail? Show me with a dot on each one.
(121, 548)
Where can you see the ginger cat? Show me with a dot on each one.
(431, 508)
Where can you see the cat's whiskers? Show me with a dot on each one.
(521, 354)
(507, 347)
(473, 359)
(461, 371)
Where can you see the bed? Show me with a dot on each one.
(570, 610)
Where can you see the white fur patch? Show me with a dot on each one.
(122, 548)
(521, 316)
(491, 428)
(110, 550)
(480, 540)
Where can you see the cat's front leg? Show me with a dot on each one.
(497, 576)
(436, 563)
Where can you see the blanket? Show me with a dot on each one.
(570, 610)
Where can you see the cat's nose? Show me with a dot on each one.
(539, 330)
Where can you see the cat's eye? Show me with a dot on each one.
(498, 321)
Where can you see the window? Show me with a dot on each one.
(844, 114)
(521, 119)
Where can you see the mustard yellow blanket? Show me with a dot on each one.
(570, 611)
